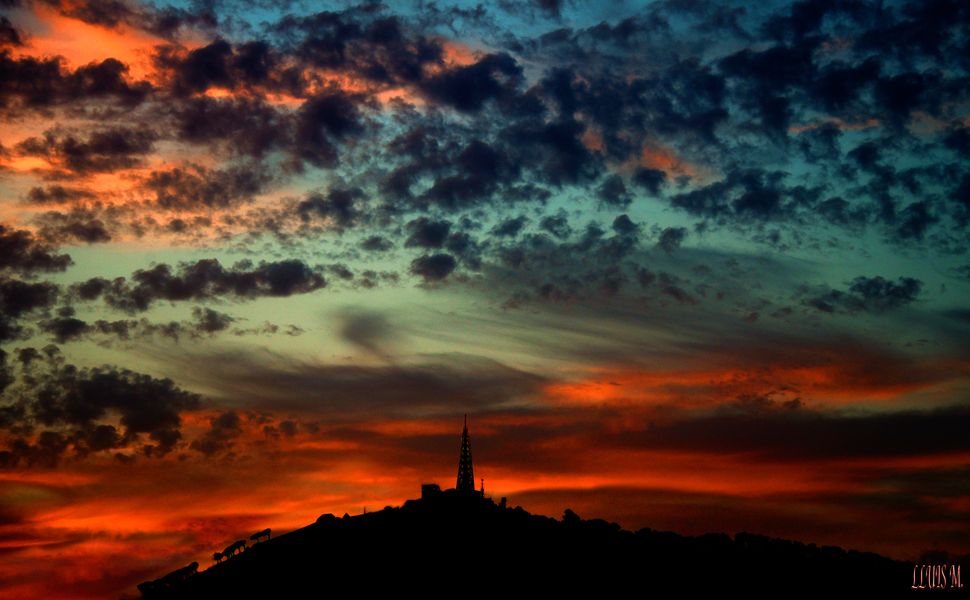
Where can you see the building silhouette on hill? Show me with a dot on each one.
(465, 483)
(400, 549)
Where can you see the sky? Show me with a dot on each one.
(689, 265)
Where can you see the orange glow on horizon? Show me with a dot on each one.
(838, 382)
(184, 506)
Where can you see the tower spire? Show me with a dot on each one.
(466, 476)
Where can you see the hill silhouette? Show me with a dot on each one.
(461, 543)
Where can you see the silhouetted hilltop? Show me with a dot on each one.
(450, 543)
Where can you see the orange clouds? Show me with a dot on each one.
(323, 81)
(593, 141)
(655, 156)
(457, 53)
(80, 43)
(25, 164)
(284, 100)
(652, 155)
(820, 375)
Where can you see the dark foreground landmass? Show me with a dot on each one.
(454, 544)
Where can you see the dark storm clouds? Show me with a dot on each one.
(64, 406)
(800, 120)
(202, 280)
(527, 135)
(792, 84)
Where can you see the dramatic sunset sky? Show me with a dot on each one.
(698, 266)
